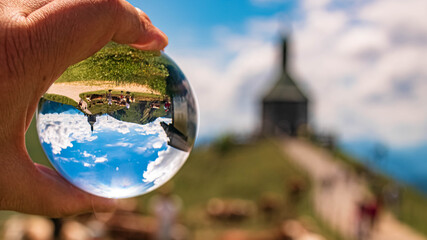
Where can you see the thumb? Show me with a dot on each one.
(147, 37)
(63, 199)
(77, 29)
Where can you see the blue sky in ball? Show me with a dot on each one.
(116, 155)
(361, 62)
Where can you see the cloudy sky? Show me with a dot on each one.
(363, 63)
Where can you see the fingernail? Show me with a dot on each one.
(164, 38)
(153, 39)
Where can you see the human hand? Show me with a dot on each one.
(39, 39)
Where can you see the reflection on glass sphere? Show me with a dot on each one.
(120, 123)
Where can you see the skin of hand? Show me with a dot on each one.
(39, 39)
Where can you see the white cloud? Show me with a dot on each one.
(63, 159)
(315, 4)
(94, 159)
(101, 159)
(363, 63)
(367, 75)
(60, 130)
(153, 128)
(158, 144)
(120, 144)
(111, 124)
(140, 149)
(86, 154)
(165, 166)
(230, 78)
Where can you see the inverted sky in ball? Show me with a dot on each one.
(120, 123)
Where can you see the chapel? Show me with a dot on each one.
(285, 106)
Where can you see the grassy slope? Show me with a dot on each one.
(121, 64)
(60, 99)
(244, 172)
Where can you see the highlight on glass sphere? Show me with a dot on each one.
(120, 123)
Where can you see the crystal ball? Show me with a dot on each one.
(120, 123)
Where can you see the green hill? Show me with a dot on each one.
(121, 64)
(252, 173)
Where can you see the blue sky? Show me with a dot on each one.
(199, 18)
(362, 63)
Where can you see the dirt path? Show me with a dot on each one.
(73, 89)
(337, 192)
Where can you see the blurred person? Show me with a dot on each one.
(166, 208)
(296, 188)
(109, 98)
(232, 210)
(39, 39)
(38, 228)
(96, 227)
(19, 227)
(13, 228)
(73, 230)
(362, 224)
(270, 205)
(368, 212)
(392, 195)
